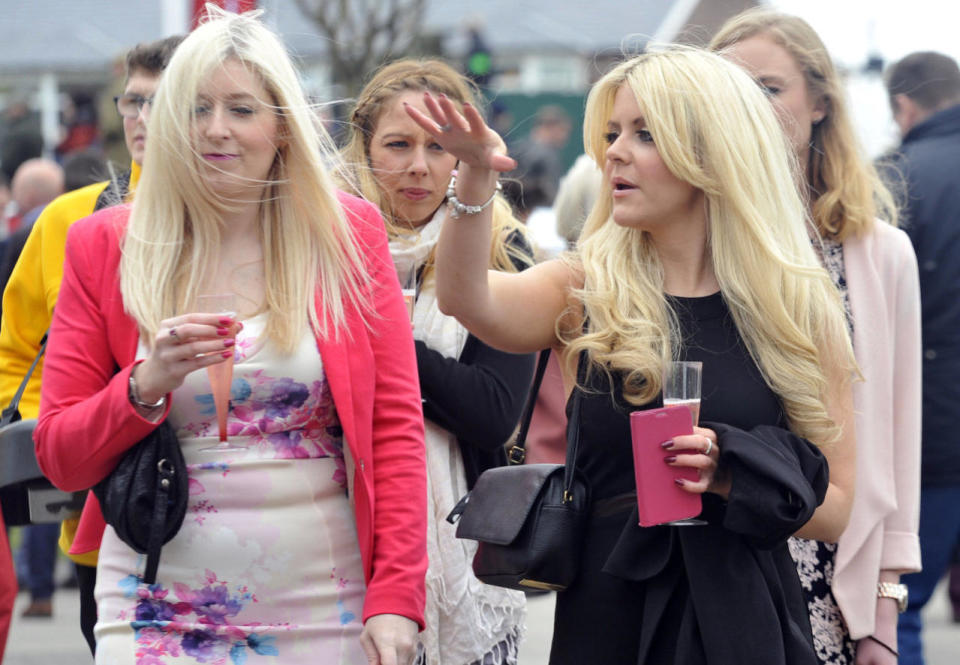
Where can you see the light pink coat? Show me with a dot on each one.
(882, 280)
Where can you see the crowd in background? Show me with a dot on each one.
(861, 353)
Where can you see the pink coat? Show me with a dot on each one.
(86, 421)
(882, 279)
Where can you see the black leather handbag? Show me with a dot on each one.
(144, 498)
(529, 520)
(26, 496)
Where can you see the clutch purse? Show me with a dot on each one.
(528, 520)
(144, 498)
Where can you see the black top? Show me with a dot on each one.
(710, 336)
(720, 594)
(929, 161)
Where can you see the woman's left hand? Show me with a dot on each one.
(465, 136)
(699, 451)
(389, 639)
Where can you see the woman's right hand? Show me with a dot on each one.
(184, 344)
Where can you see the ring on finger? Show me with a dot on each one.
(709, 446)
(445, 128)
(173, 334)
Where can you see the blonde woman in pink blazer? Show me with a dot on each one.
(852, 587)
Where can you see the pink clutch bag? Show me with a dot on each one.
(659, 500)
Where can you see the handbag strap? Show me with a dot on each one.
(11, 413)
(573, 429)
(518, 452)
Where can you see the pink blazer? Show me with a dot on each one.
(86, 421)
(882, 279)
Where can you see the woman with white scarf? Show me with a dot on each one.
(472, 394)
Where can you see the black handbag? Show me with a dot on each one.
(26, 496)
(144, 498)
(529, 520)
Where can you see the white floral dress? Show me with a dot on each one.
(815, 559)
(266, 568)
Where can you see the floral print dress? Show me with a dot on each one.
(266, 567)
(815, 559)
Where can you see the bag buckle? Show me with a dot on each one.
(516, 455)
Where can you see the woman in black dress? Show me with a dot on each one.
(695, 250)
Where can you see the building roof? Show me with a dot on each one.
(62, 35)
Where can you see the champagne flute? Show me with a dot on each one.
(681, 388)
(221, 374)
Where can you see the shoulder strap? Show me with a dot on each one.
(11, 414)
(573, 427)
(517, 452)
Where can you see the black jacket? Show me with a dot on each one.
(925, 172)
(478, 397)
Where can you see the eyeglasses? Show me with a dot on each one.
(130, 105)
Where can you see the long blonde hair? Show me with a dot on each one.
(845, 191)
(436, 77)
(714, 129)
(175, 225)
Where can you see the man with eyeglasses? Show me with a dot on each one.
(34, 285)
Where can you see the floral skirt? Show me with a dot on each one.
(266, 569)
(815, 562)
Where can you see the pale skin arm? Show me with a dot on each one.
(831, 517)
(885, 630)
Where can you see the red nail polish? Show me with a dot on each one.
(670, 459)
(227, 354)
(223, 332)
(225, 321)
(667, 445)
(229, 342)
(680, 482)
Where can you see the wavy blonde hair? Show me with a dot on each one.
(714, 129)
(436, 77)
(846, 194)
(176, 222)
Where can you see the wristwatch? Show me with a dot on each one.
(896, 591)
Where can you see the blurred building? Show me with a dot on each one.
(55, 49)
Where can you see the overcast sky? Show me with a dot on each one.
(852, 29)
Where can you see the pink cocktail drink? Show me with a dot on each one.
(221, 377)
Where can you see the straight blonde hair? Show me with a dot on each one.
(436, 77)
(714, 129)
(176, 221)
(846, 194)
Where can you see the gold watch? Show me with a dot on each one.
(896, 591)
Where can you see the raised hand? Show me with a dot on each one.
(465, 136)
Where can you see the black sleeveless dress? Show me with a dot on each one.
(726, 592)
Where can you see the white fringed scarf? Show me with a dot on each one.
(465, 619)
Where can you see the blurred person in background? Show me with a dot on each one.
(20, 136)
(924, 91)
(472, 393)
(34, 285)
(576, 195)
(539, 155)
(852, 587)
(37, 182)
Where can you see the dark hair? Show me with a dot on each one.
(152, 57)
(83, 168)
(930, 79)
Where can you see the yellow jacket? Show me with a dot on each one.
(28, 303)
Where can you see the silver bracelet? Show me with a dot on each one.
(134, 395)
(457, 209)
